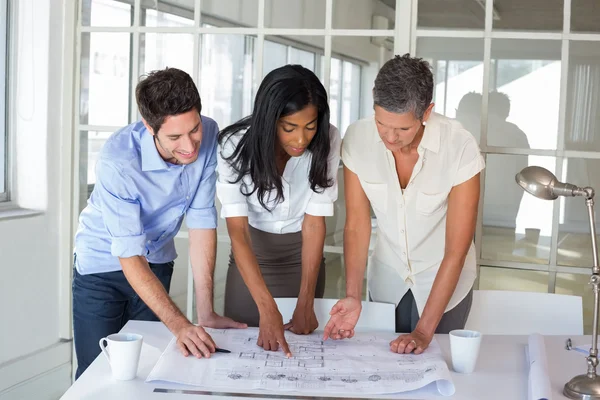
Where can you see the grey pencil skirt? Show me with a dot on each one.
(279, 257)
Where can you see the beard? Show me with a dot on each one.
(171, 158)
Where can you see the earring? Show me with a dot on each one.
(424, 123)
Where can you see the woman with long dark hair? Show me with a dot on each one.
(277, 182)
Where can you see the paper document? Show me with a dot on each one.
(539, 380)
(363, 364)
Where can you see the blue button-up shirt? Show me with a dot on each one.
(139, 200)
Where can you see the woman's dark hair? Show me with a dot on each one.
(166, 92)
(284, 91)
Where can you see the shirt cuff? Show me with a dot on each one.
(128, 246)
(320, 209)
(201, 218)
(234, 210)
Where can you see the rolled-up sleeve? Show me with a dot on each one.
(321, 204)
(233, 202)
(120, 211)
(470, 164)
(202, 213)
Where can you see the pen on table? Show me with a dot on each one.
(582, 351)
(569, 346)
(218, 350)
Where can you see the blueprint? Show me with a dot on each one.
(361, 365)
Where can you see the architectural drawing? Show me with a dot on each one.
(304, 359)
(363, 364)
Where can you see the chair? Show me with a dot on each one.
(379, 317)
(500, 312)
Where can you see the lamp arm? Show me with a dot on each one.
(589, 201)
(568, 190)
(595, 282)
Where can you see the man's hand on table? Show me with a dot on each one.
(192, 339)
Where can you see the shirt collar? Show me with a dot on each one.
(151, 159)
(431, 136)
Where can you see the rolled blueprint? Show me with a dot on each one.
(539, 380)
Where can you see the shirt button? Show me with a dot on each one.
(149, 241)
(403, 253)
(187, 197)
(402, 231)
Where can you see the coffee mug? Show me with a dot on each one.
(464, 350)
(122, 350)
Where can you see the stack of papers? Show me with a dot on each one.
(361, 365)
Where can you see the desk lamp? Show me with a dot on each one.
(543, 184)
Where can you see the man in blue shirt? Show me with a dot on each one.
(148, 176)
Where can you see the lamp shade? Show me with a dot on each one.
(538, 181)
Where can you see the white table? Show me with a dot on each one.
(501, 371)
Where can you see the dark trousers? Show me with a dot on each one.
(102, 305)
(279, 257)
(407, 315)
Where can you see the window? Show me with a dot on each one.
(302, 57)
(550, 76)
(227, 54)
(226, 77)
(532, 101)
(275, 56)
(344, 93)
(4, 156)
(226, 70)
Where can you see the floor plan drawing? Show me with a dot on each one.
(363, 364)
(304, 359)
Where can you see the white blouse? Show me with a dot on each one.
(299, 199)
(411, 223)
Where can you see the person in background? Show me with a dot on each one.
(504, 133)
(468, 113)
(277, 181)
(419, 171)
(149, 175)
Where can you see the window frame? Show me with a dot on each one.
(290, 44)
(5, 51)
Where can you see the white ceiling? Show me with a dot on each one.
(536, 15)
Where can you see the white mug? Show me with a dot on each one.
(464, 350)
(123, 354)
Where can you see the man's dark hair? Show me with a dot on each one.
(166, 92)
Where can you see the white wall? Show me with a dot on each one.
(30, 349)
